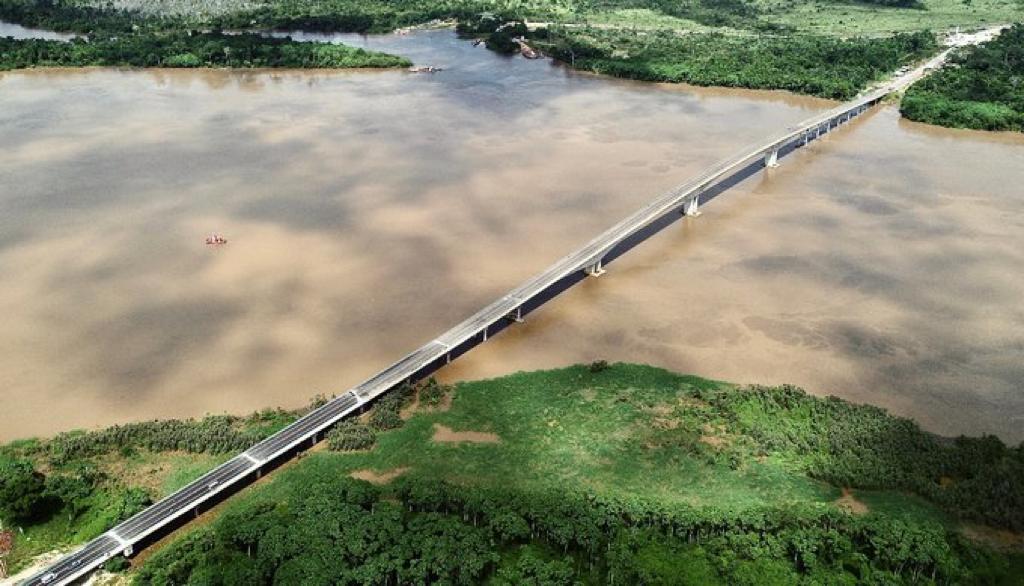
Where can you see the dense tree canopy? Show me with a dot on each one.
(862, 446)
(344, 531)
(187, 49)
(21, 490)
(820, 66)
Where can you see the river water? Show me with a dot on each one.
(16, 31)
(367, 212)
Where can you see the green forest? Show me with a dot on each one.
(816, 65)
(981, 88)
(593, 474)
(184, 49)
(122, 38)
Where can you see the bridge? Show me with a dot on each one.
(511, 308)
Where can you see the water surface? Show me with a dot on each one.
(367, 212)
(16, 31)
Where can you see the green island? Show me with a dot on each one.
(126, 38)
(982, 89)
(591, 474)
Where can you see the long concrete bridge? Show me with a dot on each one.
(588, 261)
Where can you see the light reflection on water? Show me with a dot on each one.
(369, 211)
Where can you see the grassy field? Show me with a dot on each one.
(805, 16)
(629, 431)
(626, 434)
(620, 433)
(611, 433)
(853, 18)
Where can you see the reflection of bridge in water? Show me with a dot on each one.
(590, 260)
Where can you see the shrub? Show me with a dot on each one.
(386, 411)
(433, 392)
(21, 490)
(351, 435)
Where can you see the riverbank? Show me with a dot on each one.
(606, 434)
(753, 44)
(188, 50)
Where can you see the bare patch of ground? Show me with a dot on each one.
(661, 409)
(446, 434)
(714, 436)
(588, 395)
(691, 402)
(665, 422)
(149, 476)
(713, 440)
(379, 477)
(850, 503)
(1000, 539)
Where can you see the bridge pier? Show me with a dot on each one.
(595, 270)
(516, 316)
(485, 333)
(692, 208)
(771, 158)
(128, 551)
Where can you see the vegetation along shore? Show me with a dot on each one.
(982, 89)
(831, 50)
(595, 474)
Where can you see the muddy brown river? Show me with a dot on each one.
(367, 212)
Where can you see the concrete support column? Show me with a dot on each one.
(128, 551)
(595, 270)
(485, 333)
(771, 158)
(692, 208)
